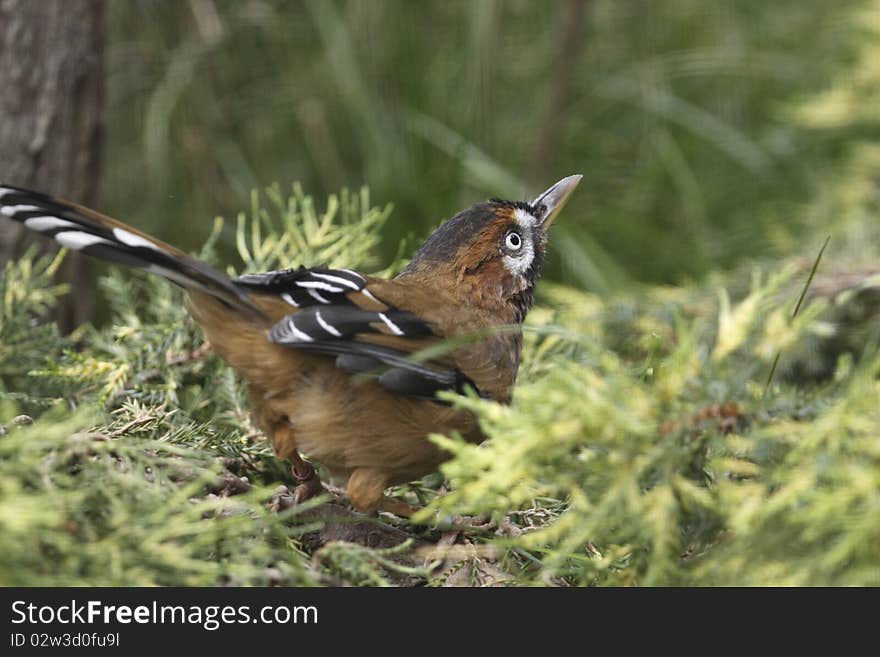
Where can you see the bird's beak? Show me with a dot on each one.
(554, 199)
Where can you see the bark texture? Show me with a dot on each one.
(51, 75)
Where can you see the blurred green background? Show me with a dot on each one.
(694, 123)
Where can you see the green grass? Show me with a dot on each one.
(701, 128)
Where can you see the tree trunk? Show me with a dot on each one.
(51, 75)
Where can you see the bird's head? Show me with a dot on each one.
(491, 254)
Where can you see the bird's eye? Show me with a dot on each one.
(513, 241)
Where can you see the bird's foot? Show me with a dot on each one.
(309, 483)
(398, 507)
(308, 487)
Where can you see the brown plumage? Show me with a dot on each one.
(331, 357)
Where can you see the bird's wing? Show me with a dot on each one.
(334, 312)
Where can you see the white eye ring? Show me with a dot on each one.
(513, 241)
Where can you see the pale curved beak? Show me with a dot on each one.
(554, 199)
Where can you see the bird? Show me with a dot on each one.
(342, 367)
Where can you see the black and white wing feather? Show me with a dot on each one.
(335, 314)
(305, 287)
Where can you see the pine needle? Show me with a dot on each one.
(797, 309)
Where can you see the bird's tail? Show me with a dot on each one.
(94, 234)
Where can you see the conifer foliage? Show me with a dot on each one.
(644, 445)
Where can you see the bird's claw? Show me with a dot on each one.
(307, 489)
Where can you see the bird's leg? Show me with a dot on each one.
(366, 490)
(309, 483)
(398, 507)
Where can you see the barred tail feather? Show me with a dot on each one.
(94, 234)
